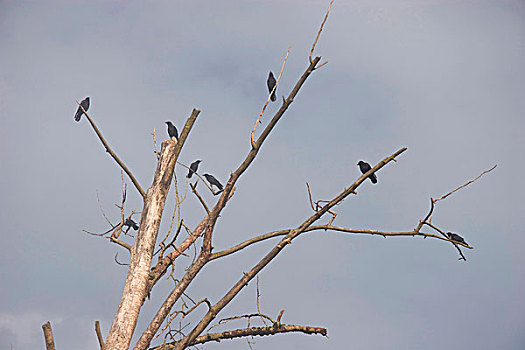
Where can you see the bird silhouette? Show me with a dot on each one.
(131, 223)
(364, 166)
(80, 112)
(172, 131)
(213, 181)
(271, 84)
(455, 237)
(193, 168)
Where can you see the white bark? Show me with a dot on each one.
(125, 320)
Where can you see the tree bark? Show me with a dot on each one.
(135, 289)
(48, 336)
(125, 320)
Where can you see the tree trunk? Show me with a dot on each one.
(125, 320)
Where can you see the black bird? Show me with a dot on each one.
(193, 168)
(364, 166)
(85, 104)
(213, 181)
(172, 131)
(130, 223)
(271, 84)
(455, 237)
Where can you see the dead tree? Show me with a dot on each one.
(144, 274)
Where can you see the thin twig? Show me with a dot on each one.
(99, 335)
(247, 316)
(318, 205)
(258, 295)
(112, 153)
(155, 144)
(102, 210)
(465, 185)
(319, 33)
(194, 190)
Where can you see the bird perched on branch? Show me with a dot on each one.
(213, 181)
(131, 223)
(455, 237)
(271, 84)
(364, 166)
(193, 168)
(80, 112)
(172, 131)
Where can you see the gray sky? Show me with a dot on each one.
(444, 78)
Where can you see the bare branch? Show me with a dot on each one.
(120, 243)
(113, 154)
(258, 306)
(319, 33)
(207, 224)
(223, 321)
(247, 332)
(455, 243)
(99, 335)
(102, 210)
(248, 276)
(318, 205)
(48, 336)
(157, 154)
(273, 234)
(465, 185)
(194, 190)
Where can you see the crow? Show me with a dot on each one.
(455, 237)
(364, 166)
(85, 104)
(130, 223)
(172, 131)
(271, 84)
(193, 168)
(213, 181)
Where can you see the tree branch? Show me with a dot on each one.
(196, 193)
(248, 276)
(319, 33)
(465, 185)
(113, 154)
(99, 335)
(247, 332)
(207, 224)
(260, 331)
(273, 234)
(48, 336)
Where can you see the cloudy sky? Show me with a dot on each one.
(444, 78)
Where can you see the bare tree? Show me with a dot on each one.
(144, 273)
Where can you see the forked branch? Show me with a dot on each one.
(248, 276)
